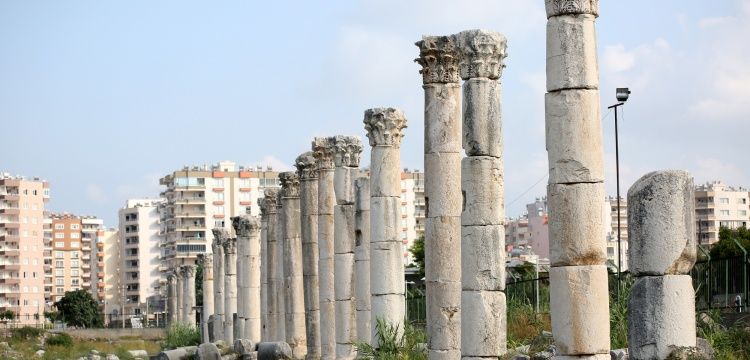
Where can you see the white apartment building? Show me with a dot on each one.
(200, 198)
(111, 254)
(717, 205)
(412, 210)
(74, 260)
(610, 231)
(140, 254)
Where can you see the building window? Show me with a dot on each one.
(724, 212)
(74, 254)
(75, 226)
(59, 272)
(219, 210)
(34, 220)
(74, 272)
(742, 212)
(59, 235)
(220, 196)
(25, 233)
(74, 263)
(46, 192)
(59, 244)
(59, 281)
(75, 282)
(723, 200)
(59, 254)
(742, 201)
(75, 235)
(59, 263)
(219, 183)
(60, 290)
(59, 226)
(24, 220)
(75, 244)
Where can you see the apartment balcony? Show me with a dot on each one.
(85, 266)
(10, 238)
(100, 265)
(190, 214)
(10, 280)
(86, 248)
(10, 225)
(185, 201)
(100, 285)
(10, 211)
(86, 256)
(10, 197)
(10, 251)
(705, 216)
(10, 267)
(191, 227)
(12, 293)
(100, 245)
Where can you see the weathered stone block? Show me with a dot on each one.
(344, 278)
(661, 224)
(443, 184)
(274, 351)
(344, 234)
(442, 114)
(208, 351)
(389, 307)
(243, 346)
(326, 193)
(386, 255)
(580, 309)
(343, 181)
(346, 321)
(385, 216)
(571, 53)
(482, 185)
(442, 248)
(385, 171)
(444, 315)
(574, 137)
(606, 356)
(433, 354)
(576, 224)
(661, 315)
(483, 323)
(483, 257)
(482, 124)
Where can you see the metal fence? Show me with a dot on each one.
(110, 320)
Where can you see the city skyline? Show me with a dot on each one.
(159, 86)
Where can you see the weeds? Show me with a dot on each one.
(394, 344)
(618, 315)
(61, 339)
(180, 334)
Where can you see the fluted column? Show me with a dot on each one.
(172, 297)
(207, 262)
(218, 248)
(248, 231)
(362, 257)
(347, 150)
(483, 305)
(323, 151)
(293, 280)
(439, 57)
(264, 332)
(579, 306)
(308, 174)
(385, 131)
(242, 289)
(189, 290)
(276, 327)
(230, 287)
(179, 313)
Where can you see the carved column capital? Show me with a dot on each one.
(289, 184)
(439, 59)
(244, 226)
(171, 278)
(189, 270)
(346, 151)
(482, 53)
(385, 126)
(268, 204)
(230, 246)
(307, 167)
(220, 236)
(322, 148)
(571, 7)
(205, 260)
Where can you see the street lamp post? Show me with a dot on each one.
(622, 96)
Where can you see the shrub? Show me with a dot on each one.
(180, 334)
(61, 339)
(394, 344)
(26, 333)
(618, 315)
(524, 324)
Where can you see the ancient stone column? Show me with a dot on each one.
(662, 251)
(308, 174)
(483, 306)
(230, 287)
(279, 271)
(220, 235)
(347, 150)
(439, 58)
(294, 300)
(323, 151)
(189, 290)
(248, 231)
(362, 256)
(388, 302)
(179, 295)
(275, 268)
(172, 297)
(578, 278)
(243, 241)
(264, 333)
(207, 262)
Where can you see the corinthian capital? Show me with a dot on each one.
(289, 184)
(205, 260)
(322, 148)
(346, 151)
(482, 53)
(230, 246)
(188, 270)
(571, 7)
(307, 167)
(269, 202)
(385, 126)
(245, 226)
(439, 58)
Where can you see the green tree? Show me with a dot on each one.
(417, 251)
(78, 308)
(726, 247)
(199, 284)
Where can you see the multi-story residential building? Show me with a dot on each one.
(22, 246)
(111, 254)
(717, 205)
(141, 252)
(74, 260)
(412, 210)
(517, 232)
(200, 198)
(538, 223)
(610, 231)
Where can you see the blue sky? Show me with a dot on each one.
(111, 95)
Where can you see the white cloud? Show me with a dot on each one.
(616, 59)
(274, 162)
(715, 21)
(709, 169)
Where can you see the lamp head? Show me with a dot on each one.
(622, 94)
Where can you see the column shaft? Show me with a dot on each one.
(323, 151)
(206, 261)
(263, 274)
(293, 278)
(172, 296)
(308, 174)
(248, 232)
(179, 295)
(218, 294)
(362, 257)
(230, 288)
(190, 294)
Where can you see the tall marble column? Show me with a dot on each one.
(220, 235)
(388, 302)
(172, 296)
(308, 174)
(230, 287)
(439, 58)
(248, 231)
(293, 280)
(362, 256)
(578, 278)
(179, 295)
(189, 291)
(243, 242)
(207, 262)
(483, 306)
(323, 151)
(264, 332)
(275, 269)
(347, 150)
